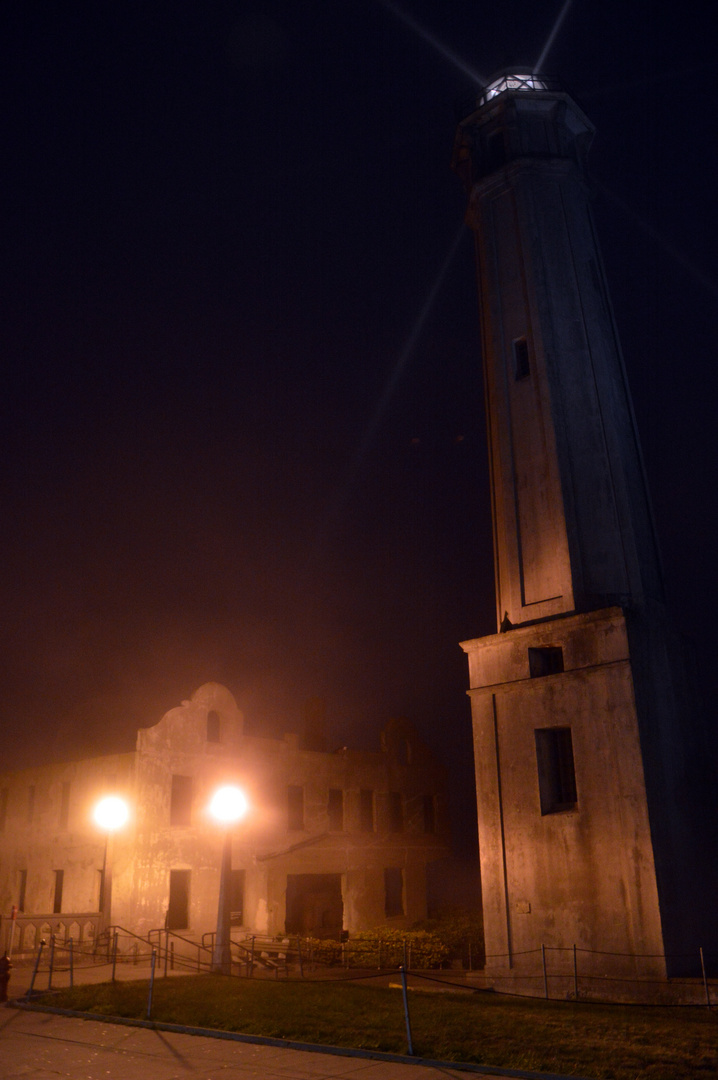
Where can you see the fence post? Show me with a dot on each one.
(705, 981)
(545, 976)
(152, 982)
(37, 964)
(72, 964)
(575, 973)
(114, 955)
(299, 954)
(52, 961)
(406, 1010)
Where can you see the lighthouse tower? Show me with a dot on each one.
(587, 789)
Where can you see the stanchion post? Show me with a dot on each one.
(705, 980)
(406, 1010)
(37, 965)
(545, 976)
(575, 973)
(153, 960)
(114, 955)
(52, 961)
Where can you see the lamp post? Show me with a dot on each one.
(110, 814)
(228, 805)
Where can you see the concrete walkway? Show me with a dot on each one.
(44, 1046)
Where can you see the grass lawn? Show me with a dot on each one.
(613, 1042)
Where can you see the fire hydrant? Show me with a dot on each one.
(5, 967)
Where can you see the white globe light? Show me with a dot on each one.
(228, 804)
(111, 813)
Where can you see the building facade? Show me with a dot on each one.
(332, 841)
(591, 795)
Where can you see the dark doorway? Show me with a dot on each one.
(178, 910)
(314, 905)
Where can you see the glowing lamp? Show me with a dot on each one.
(228, 804)
(515, 81)
(111, 813)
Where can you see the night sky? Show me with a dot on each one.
(238, 441)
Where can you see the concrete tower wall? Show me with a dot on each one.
(593, 803)
(573, 527)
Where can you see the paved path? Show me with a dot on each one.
(42, 1046)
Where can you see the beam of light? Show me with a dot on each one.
(429, 38)
(408, 349)
(707, 282)
(556, 27)
(331, 519)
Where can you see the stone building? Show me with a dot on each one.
(594, 811)
(332, 841)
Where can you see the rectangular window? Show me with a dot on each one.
(556, 774)
(545, 661)
(236, 897)
(520, 350)
(396, 812)
(393, 891)
(336, 809)
(65, 805)
(295, 807)
(366, 810)
(57, 899)
(178, 910)
(429, 814)
(3, 808)
(30, 803)
(181, 801)
(22, 890)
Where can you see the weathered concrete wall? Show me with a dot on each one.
(400, 776)
(584, 875)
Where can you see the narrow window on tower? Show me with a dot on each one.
(520, 351)
(545, 661)
(556, 774)
(295, 807)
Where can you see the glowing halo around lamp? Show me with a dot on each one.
(228, 804)
(111, 813)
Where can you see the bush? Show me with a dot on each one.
(384, 948)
